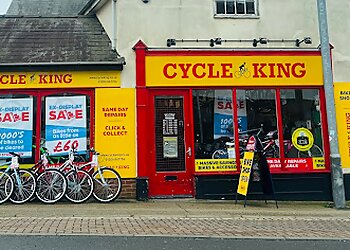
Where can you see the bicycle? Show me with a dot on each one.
(51, 183)
(107, 181)
(220, 151)
(80, 184)
(22, 181)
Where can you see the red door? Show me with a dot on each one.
(171, 145)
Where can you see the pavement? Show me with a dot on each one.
(179, 217)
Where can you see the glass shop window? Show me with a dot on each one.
(259, 117)
(302, 126)
(213, 124)
(66, 125)
(17, 130)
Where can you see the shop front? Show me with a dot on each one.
(67, 109)
(198, 107)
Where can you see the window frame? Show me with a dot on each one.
(244, 16)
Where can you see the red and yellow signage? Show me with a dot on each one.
(342, 104)
(115, 129)
(215, 165)
(245, 173)
(233, 70)
(66, 79)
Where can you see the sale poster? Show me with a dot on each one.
(65, 124)
(16, 130)
(223, 113)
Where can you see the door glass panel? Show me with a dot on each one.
(213, 124)
(17, 126)
(302, 127)
(261, 119)
(169, 133)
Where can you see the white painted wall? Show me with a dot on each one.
(159, 20)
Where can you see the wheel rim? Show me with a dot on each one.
(51, 186)
(108, 188)
(24, 192)
(79, 186)
(6, 187)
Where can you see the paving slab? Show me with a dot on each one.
(179, 217)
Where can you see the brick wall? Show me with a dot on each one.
(128, 189)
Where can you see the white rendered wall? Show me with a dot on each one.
(158, 20)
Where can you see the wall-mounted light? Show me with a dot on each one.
(215, 41)
(145, 1)
(170, 42)
(306, 40)
(260, 40)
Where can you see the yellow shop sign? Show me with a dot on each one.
(115, 129)
(66, 79)
(233, 70)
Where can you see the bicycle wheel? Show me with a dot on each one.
(107, 184)
(314, 151)
(51, 186)
(25, 190)
(6, 187)
(79, 186)
(219, 154)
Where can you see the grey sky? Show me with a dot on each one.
(4, 4)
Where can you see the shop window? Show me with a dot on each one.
(17, 130)
(302, 126)
(259, 118)
(65, 124)
(213, 124)
(236, 8)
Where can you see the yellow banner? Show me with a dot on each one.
(115, 129)
(318, 163)
(64, 79)
(233, 70)
(246, 168)
(213, 165)
(342, 105)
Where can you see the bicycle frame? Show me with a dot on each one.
(12, 165)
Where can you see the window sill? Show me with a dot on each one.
(220, 16)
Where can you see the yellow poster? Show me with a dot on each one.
(115, 129)
(62, 79)
(342, 105)
(246, 168)
(233, 70)
(214, 165)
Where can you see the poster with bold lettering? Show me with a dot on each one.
(65, 124)
(16, 130)
(223, 113)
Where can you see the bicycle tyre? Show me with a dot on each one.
(109, 191)
(6, 187)
(247, 74)
(219, 154)
(314, 151)
(80, 186)
(51, 186)
(26, 192)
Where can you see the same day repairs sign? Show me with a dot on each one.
(16, 124)
(65, 124)
(115, 129)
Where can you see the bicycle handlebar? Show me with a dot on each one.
(14, 154)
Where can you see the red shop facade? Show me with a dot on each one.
(193, 106)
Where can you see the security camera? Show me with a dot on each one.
(145, 1)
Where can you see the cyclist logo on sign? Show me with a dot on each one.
(243, 71)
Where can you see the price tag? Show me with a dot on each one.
(94, 161)
(14, 162)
